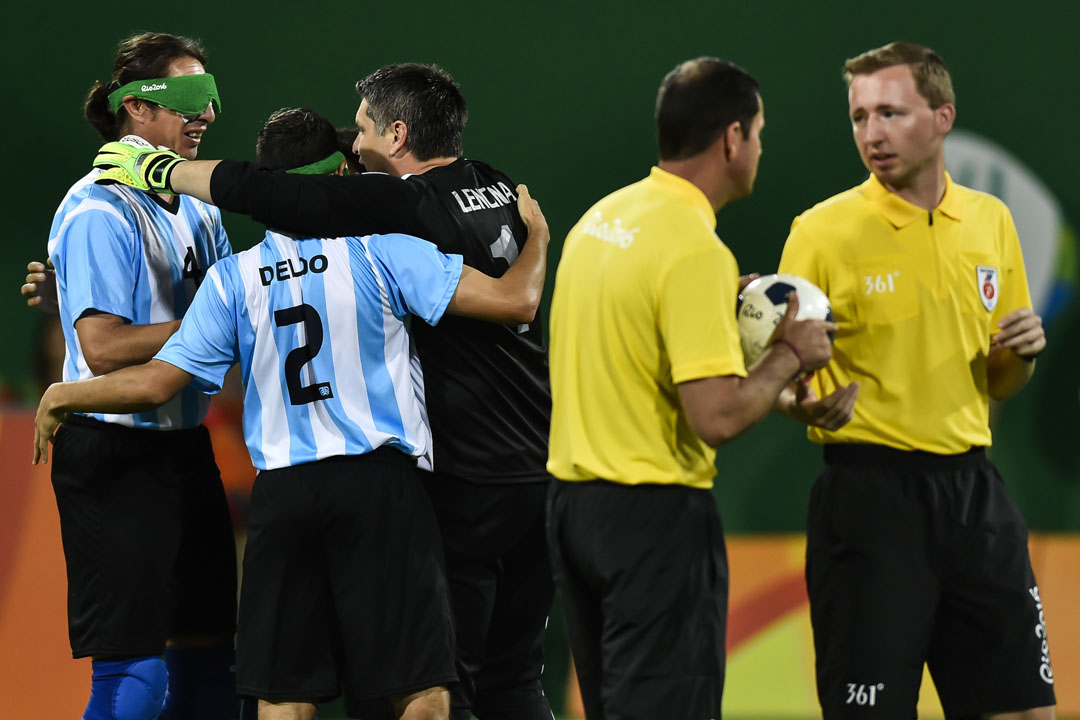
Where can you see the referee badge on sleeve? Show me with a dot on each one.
(986, 278)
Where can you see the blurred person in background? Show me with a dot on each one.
(346, 138)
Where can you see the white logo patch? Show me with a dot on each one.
(986, 279)
(863, 694)
(136, 141)
(1046, 673)
(610, 232)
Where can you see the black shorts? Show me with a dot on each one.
(343, 586)
(912, 558)
(501, 591)
(642, 571)
(147, 537)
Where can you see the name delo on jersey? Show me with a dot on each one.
(289, 268)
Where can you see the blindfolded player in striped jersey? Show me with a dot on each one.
(147, 538)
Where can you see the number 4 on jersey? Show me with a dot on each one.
(192, 269)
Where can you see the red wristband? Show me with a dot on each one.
(798, 357)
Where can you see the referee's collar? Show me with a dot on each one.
(899, 212)
(687, 190)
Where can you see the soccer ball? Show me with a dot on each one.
(762, 304)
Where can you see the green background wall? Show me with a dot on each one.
(561, 97)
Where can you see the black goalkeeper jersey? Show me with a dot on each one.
(488, 396)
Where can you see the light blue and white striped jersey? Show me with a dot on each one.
(319, 327)
(119, 251)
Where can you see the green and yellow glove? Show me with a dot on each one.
(134, 162)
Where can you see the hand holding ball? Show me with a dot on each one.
(761, 308)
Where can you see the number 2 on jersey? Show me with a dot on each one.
(300, 394)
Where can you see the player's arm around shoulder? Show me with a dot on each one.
(515, 297)
(96, 254)
(719, 409)
(131, 389)
(110, 342)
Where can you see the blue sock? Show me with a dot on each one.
(202, 684)
(129, 689)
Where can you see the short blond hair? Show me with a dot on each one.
(932, 79)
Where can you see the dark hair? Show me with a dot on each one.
(426, 99)
(346, 138)
(698, 101)
(294, 137)
(139, 57)
(932, 79)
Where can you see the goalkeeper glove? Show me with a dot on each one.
(141, 167)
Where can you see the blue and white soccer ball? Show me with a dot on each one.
(762, 304)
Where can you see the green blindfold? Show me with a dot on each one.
(325, 166)
(186, 94)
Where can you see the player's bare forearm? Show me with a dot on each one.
(193, 178)
(109, 343)
(1007, 374)
(128, 390)
(526, 275)
(515, 297)
(483, 297)
(719, 409)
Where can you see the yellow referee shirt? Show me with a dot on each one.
(917, 296)
(644, 299)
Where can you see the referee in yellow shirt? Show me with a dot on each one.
(647, 377)
(916, 551)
